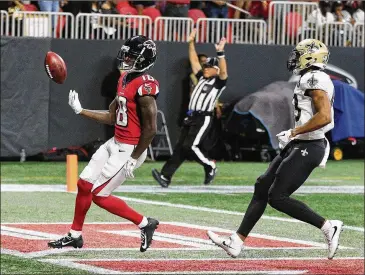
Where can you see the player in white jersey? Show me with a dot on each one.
(304, 148)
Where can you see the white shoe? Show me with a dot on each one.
(232, 245)
(332, 235)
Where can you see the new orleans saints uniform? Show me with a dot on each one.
(290, 169)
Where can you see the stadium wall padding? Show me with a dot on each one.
(34, 110)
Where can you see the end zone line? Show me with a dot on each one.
(205, 259)
(220, 211)
(44, 253)
(185, 240)
(262, 236)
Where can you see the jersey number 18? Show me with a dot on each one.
(122, 116)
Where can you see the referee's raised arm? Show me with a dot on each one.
(222, 64)
(193, 56)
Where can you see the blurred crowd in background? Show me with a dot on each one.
(329, 11)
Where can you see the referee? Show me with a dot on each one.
(212, 76)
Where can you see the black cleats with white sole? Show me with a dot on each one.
(210, 175)
(68, 240)
(164, 182)
(147, 234)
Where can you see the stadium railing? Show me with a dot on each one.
(111, 26)
(336, 34)
(287, 20)
(358, 37)
(174, 29)
(40, 24)
(287, 25)
(4, 23)
(237, 31)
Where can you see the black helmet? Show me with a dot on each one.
(138, 54)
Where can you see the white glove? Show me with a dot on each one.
(73, 101)
(284, 138)
(129, 167)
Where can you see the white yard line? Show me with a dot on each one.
(54, 188)
(159, 236)
(211, 189)
(50, 252)
(262, 236)
(220, 211)
(27, 234)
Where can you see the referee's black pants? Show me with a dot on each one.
(286, 173)
(192, 136)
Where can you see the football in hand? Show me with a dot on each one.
(55, 67)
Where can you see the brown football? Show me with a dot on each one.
(55, 67)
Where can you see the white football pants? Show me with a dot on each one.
(107, 164)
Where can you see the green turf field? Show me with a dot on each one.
(193, 210)
(349, 172)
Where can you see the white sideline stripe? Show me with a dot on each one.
(183, 206)
(66, 250)
(22, 236)
(117, 223)
(28, 234)
(211, 189)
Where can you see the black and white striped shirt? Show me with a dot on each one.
(206, 93)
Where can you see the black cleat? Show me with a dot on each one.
(147, 233)
(164, 182)
(210, 175)
(67, 241)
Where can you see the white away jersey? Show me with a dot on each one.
(303, 106)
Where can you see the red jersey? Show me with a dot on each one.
(127, 125)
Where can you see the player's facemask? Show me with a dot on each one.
(128, 60)
(293, 61)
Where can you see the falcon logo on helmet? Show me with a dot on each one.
(138, 54)
(308, 53)
(149, 44)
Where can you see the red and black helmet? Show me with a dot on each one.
(138, 54)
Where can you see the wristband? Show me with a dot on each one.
(220, 54)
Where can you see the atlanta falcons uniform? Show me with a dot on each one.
(107, 162)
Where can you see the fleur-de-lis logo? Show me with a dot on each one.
(312, 81)
(312, 47)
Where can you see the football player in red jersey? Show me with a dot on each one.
(133, 112)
